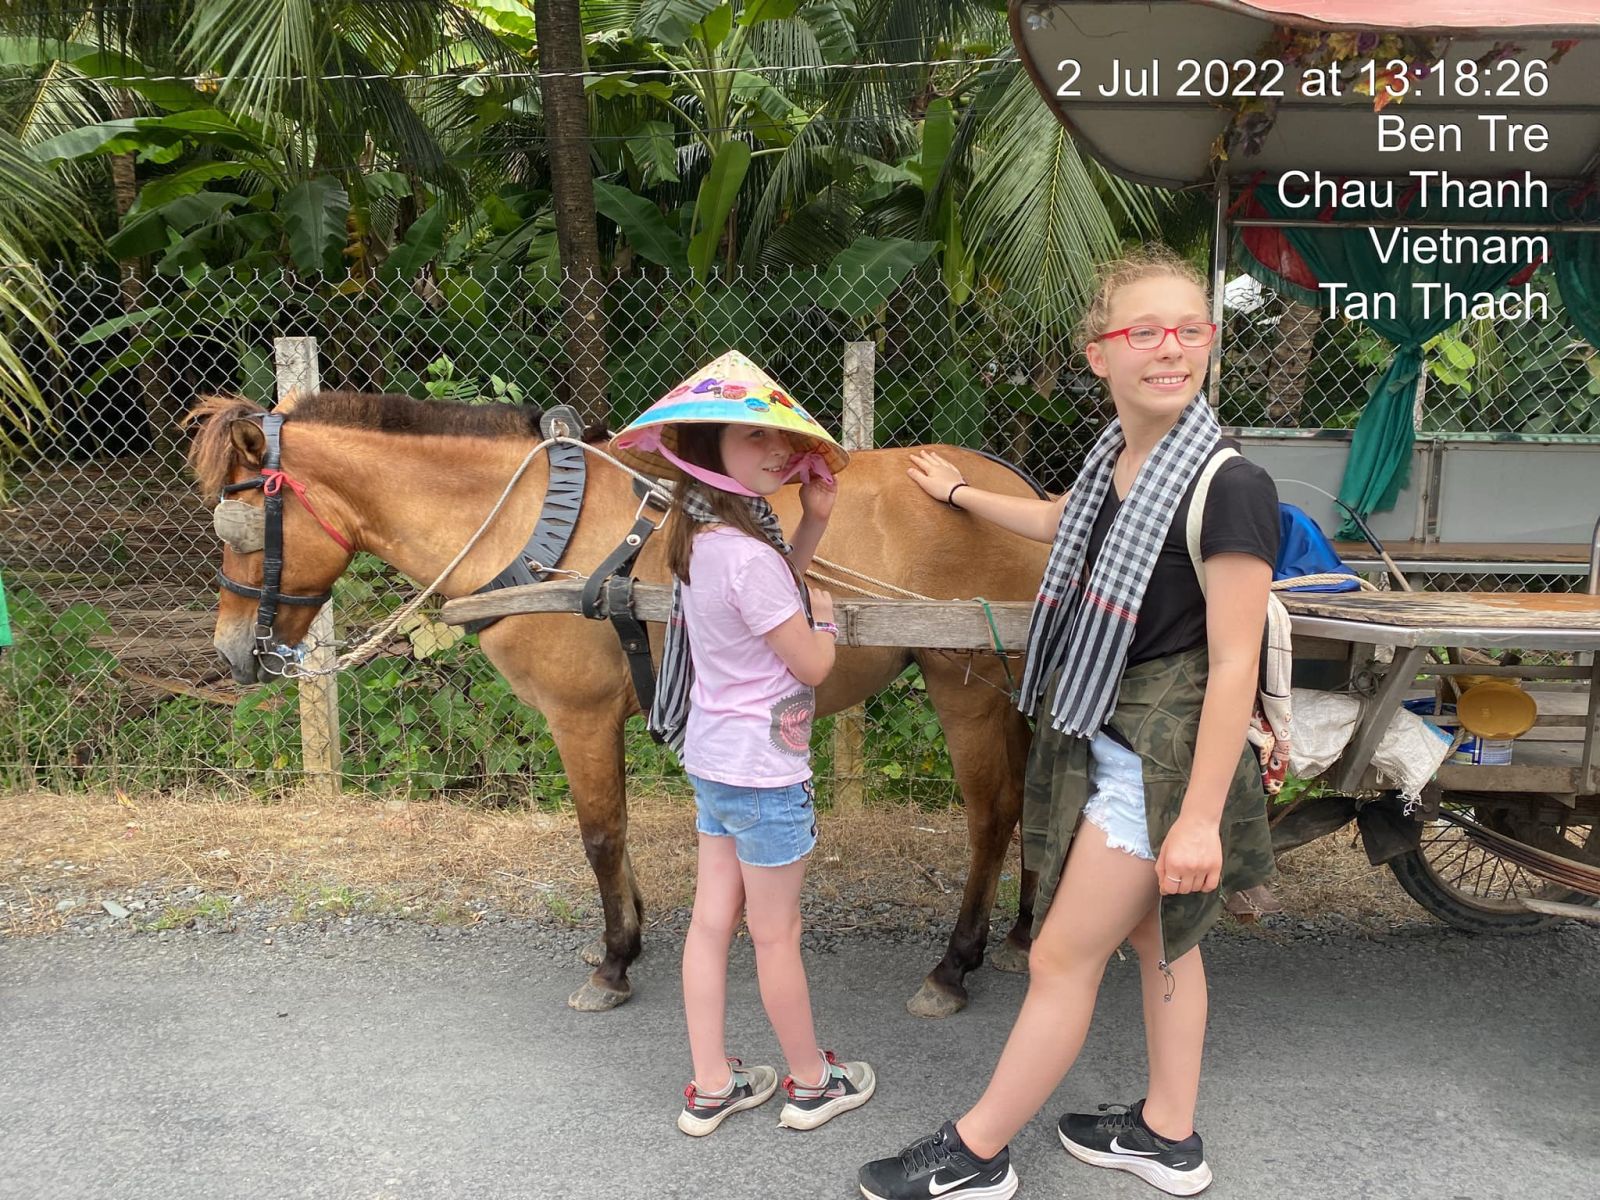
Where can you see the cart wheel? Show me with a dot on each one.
(1467, 885)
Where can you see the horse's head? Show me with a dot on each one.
(280, 555)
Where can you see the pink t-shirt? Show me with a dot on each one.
(749, 718)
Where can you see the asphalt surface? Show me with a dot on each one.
(388, 1062)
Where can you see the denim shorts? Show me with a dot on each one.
(770, 827)
(1116, 796)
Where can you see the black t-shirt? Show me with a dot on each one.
(1241, 517)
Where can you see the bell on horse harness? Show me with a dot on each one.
(248, 530)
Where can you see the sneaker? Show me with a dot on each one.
(847, 1085)
(750, 1087)
(1118, 1138)
(939, 1167)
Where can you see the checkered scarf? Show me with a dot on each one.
(669, 714)
(1092, 639)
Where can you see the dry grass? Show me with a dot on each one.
(432, 857)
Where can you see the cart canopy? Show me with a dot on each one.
(1166, 138)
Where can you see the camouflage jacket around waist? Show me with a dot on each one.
(1158, 715)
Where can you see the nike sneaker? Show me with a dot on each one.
(844, 1086)
(939, 1167)
(748, 1087)
(1117, 1137)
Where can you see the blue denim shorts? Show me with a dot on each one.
(770, 827)
(1116, 797)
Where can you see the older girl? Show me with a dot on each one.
(1141, 795)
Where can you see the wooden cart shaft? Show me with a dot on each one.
(1410, 622)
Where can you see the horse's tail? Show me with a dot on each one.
(211, 452)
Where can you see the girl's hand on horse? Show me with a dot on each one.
(1190, 858)
(816, 499)
(821, 603)
(934, 474)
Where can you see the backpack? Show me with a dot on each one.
(1272, 721)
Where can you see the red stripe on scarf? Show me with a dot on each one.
(1050, 601)
(1116, 610)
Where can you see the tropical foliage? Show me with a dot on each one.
(857, 142)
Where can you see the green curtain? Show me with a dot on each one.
(1577, 262)
(1379, 465)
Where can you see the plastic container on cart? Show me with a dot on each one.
(1497, 709)
(1471, 750)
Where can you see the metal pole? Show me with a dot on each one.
(1594, 561)
(1219, 271)
(1589, 776)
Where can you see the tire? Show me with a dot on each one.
(1445, 874)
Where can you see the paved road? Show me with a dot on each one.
(386, 1064)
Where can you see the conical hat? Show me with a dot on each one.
(732, 390)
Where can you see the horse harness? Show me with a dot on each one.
(247, 530)
(607, 594)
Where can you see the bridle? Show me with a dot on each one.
(240, 531)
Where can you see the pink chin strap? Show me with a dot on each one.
(808, 467)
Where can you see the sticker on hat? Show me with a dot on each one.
(730, 390)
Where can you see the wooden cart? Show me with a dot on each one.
(1503, 848)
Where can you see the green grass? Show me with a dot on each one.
(210, 908)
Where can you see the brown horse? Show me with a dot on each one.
(409, 481)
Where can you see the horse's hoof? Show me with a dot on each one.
(591, 997)
(1010, 958)
(933, 1001)
(594, 953)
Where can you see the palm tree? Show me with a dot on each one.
(566, 112)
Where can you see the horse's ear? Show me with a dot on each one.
(249, 442)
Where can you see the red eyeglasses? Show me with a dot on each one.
(1192, 335)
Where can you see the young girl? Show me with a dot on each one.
(1143, 688)
(746, 645)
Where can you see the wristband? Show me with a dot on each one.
(827, 627)
(951, 498)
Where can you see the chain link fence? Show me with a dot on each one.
(110, 561)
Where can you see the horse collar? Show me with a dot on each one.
(558, 515)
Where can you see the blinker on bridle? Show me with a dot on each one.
(247, 530)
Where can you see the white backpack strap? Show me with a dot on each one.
(1197, 510)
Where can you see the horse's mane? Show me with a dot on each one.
(391, 413)
(211, 453)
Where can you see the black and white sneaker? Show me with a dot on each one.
(939, 1167)
(1117, 1137)
(844, 1086)
(748, 1088)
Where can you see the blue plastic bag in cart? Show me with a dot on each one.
(1303, 549)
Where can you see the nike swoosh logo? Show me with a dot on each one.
(936, 1188)
(1118, 1148)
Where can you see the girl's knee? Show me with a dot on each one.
(716, 923)
(1145, 938)
(1063, 961)
(779, 934)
